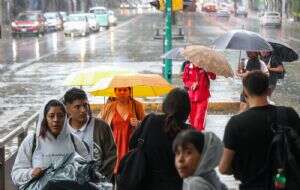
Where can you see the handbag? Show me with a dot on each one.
(133, 166)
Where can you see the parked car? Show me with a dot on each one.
(102, 16)
(29, 22)
(223, 13)
(241, 11)
(64, 16)
(112, 19)
(209, 7)
(93, 25)
(76, 24)
(270, 19)
(53, 21)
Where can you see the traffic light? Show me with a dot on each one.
(177, 5)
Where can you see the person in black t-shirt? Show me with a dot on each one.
(274, 65)
(248, 135)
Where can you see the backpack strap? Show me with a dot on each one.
(73, 141)
(33, 144)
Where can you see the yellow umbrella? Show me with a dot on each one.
(142, 84)
(89, 77)
(208, 59)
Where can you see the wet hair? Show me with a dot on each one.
(77, 94)
(252, 54)
(177, 108)
(256, 83)
(189, 136)
(49, 105)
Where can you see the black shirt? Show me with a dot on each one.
(249, 135)
(253, 64)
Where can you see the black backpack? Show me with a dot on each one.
(285, 149)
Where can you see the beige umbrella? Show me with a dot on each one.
(208, 59)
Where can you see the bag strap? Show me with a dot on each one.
(33, 144)
(142, 138)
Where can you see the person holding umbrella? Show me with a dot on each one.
(197, 81)
(253, 63)
(123, 115)
(275, 67)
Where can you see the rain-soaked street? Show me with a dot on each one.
(33, 69)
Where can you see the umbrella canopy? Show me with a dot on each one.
(175, 53)
(208, 59)
(242, 40)
(142, 84)
(283, 51)
(89, 77)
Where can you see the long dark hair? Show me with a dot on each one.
(177, 108)
(44, 123)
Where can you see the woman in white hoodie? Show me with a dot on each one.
(51, 143)
(196, 157)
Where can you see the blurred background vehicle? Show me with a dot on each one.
(29, 22)
(223, 13)
(93, 25)
(209, 7)
(241, 11)
(102, 16)
(76, 24)
(53, 21)
(112, 19)
(271, 19)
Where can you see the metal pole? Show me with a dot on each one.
(168, 41)
(2, 168)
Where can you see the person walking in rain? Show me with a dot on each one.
(94, 132)
(123, 115)
(196, 157)
(253, 63)
(161, 131)
(48, 146)
(275, 67)
(197, 82)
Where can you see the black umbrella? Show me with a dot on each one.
(283, 51)
(242, 40)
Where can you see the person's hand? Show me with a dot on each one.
(194, 86)
(36, 172)
(134, 122)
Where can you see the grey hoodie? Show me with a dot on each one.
(205, 176)
(48, 151)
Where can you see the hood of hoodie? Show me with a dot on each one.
(50, 150)
(211, 154)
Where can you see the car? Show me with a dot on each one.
(76, 24)
(102, 16)
(209, 7)
(54, 21)
(112, 19)
(93, 25)
(241, 11)
(271, 19)
(28, 22)
(223, 13)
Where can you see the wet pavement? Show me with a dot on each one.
(33, 69)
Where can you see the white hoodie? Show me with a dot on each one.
(48, 151)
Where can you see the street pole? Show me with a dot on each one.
(167, 70)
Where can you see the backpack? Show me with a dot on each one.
(279, 75)
(285, 149)
(132, 169)
(283, 155)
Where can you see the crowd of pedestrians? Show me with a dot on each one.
(178, 152)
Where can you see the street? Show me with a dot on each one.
(33, 69)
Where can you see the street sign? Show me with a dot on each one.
(177, 5)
